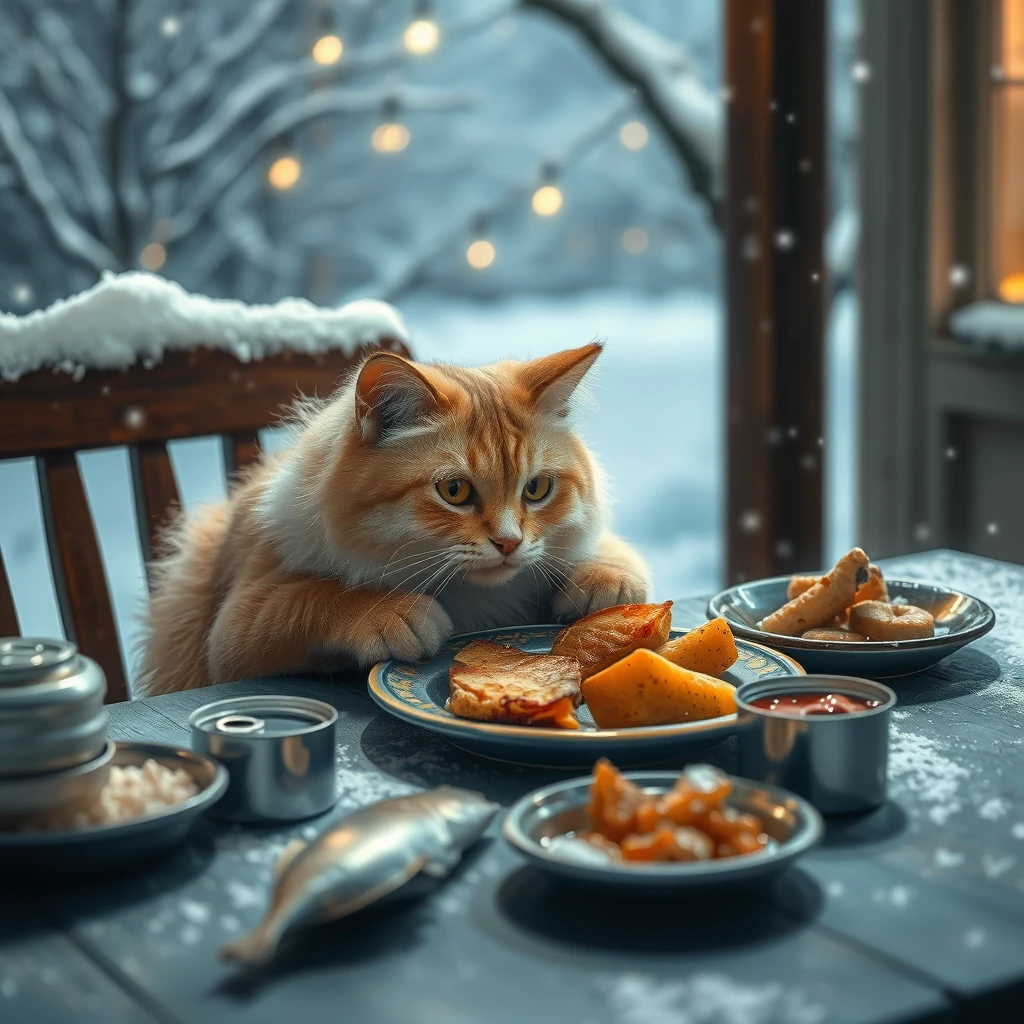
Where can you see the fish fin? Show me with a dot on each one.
(288, 854)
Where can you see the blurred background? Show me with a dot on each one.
(483, 166)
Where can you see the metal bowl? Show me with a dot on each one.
(959, 619)
(52, 791)
(792, 824)
(102, 848)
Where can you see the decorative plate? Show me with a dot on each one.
(417, 693)
(959, 619)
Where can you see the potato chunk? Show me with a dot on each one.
(710, 648)
(646, 689)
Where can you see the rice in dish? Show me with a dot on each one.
(130, 792)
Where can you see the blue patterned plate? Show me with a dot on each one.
(417, 693)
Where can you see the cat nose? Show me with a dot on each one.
(506, 545)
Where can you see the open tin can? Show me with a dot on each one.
(836, 761)
(279, 753)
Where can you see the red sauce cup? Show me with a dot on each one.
(835, 760)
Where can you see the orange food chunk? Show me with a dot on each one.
(710, 648)
(645, 689)
(614, 802)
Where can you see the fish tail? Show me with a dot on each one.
(254, 949)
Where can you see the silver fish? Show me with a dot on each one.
(362, 857)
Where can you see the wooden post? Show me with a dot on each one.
(775, 284)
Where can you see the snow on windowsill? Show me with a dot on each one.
(990, 325)
(136, 317)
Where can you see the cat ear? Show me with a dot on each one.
(551, 380)
(392, 394)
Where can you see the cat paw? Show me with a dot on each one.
(412, 627)
(595, 586)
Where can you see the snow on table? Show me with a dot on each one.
(137, 317)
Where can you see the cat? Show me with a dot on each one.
(420, 501)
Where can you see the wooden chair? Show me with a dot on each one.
(198, 393)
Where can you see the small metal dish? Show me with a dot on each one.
(959, 620)
(22, 795)
(792, 824)
(99, 849)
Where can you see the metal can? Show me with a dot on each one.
(836, 761)
(279, 753)
(51, 707)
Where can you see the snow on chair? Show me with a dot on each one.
(138, 361)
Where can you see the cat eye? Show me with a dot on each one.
(538, 488)
(455, 491)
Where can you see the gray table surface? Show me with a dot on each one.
(915, 912)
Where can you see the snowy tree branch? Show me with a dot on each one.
(70, 236)
(290, 116)
(405, 272)
(97, 94)
(248, 96)
(689, 113)
(197, 79)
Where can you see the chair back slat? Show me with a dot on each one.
(8, 614)
(240, 449)
(79, 580)
(156, 493)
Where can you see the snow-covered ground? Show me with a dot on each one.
(655, 423)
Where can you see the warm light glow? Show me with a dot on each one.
(633, 135)
(635, 240)
(480, 254)
(390, 137)
(153, 256)
(284, 172)
(1011, 289)
(421, 37)
(328, 50)
(547, 200)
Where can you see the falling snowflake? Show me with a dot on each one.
(959, 275)
(750, 521)
(992, 529)
(861, 72)
(951, 453)
(751, 248)
(170, 27)
(922, 532)
(784, 548)
(134, 417)
(784, 240)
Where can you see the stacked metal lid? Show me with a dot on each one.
(53, 727)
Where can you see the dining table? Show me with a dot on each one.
(911, 912)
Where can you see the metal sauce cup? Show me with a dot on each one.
(279, 753)
(837, 761)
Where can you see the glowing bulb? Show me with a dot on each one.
(1011, 289)
(390, 137)
(480, 254)
(635, 240)
(421, 37)
(284, 172)
(153, 256)
(547, 200)
(633, 135)
(328, 50)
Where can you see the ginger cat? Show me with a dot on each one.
(420, 501)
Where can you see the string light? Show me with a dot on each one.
(635, 240)
(390, 137)
(480, 254)
(284, 172)
(421, 34)
(153, 256)
(634, 135)
(547, 200)
(328, 50)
